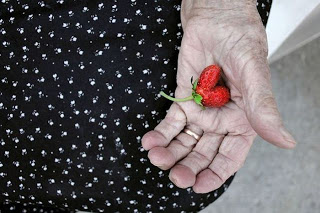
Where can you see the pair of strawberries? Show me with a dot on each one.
(205, 90)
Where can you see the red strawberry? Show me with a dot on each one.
(204, 90)
(209, 77)
(216, 97)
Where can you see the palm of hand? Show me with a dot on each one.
(227, 134)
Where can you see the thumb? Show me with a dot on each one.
(260, 105)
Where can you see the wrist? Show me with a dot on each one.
(217, 9)
(218, 4)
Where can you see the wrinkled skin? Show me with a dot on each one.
(230, 34)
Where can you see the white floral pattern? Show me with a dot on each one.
(79, 84)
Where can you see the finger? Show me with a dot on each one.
(260, 105)
(178, 148)
(230, 158)
(183, 174)
(166, 130)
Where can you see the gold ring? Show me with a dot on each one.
(189, 132)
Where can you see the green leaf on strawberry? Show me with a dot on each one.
(195, 85)
(197, 98)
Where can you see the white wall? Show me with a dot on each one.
(291, 24)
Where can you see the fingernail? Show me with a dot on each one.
(287, 136)
(161, 166)
(173, 180)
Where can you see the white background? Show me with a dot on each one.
(291, 24)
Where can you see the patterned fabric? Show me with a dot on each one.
(78, 89)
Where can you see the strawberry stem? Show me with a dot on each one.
(176, 99)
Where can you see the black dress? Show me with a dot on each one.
(78, 85)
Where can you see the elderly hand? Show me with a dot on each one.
(230, 34)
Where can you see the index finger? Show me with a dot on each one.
(167, 129)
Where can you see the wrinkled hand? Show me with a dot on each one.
(230, 34)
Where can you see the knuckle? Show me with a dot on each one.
(222, 169)
(198, 157)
